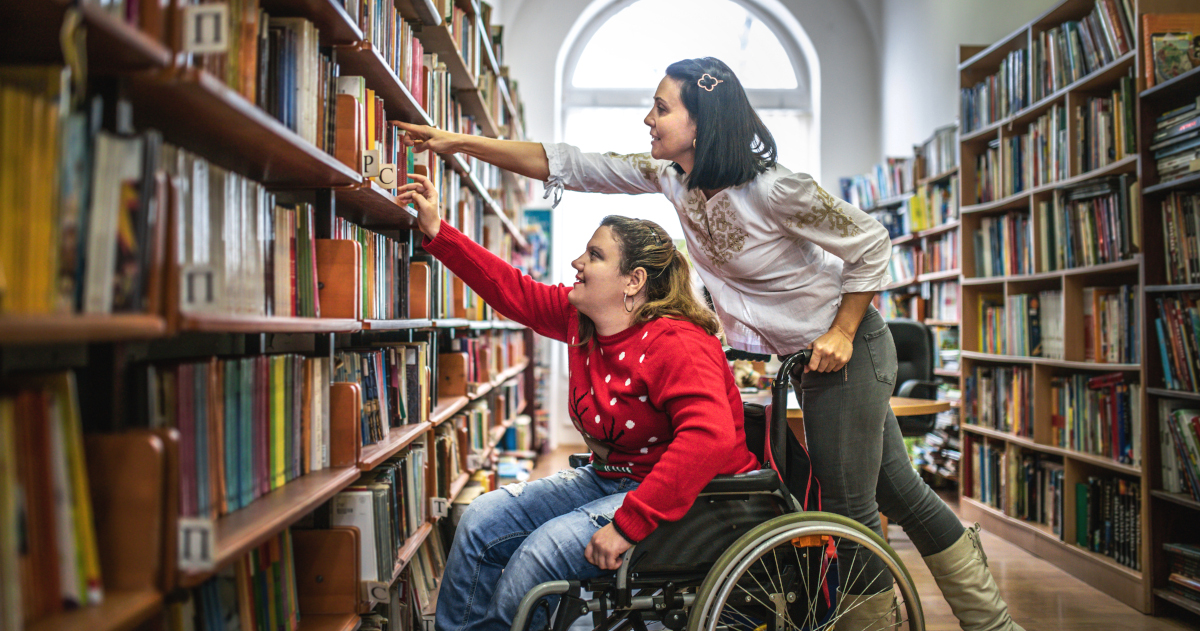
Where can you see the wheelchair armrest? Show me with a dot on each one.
(918, 389)
(579, 460)
(760, 481)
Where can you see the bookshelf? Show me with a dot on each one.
(1041, 462)
(141, 454)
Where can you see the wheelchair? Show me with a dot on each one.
(746, 556)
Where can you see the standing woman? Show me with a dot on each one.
(789, 266)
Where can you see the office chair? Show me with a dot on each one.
(914, 377)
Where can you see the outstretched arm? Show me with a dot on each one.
(543, 308)
(523, 158)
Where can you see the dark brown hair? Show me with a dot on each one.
(668, 286)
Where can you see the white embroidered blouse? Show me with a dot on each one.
(776, 253)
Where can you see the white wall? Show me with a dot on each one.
(920, 59)
(841, 33)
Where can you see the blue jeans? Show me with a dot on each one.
(514, 538)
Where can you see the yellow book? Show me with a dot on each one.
(88, 556)
(10, 568)
(278, 464)
(10, 119)
(370, 105)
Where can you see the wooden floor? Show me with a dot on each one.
(1041, 597)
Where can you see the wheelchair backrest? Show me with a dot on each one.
(799, 480)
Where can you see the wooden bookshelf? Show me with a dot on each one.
(361, 59)
(1187, 182)
(447, 407)
(69, 328)
(1180, 499)
(223, 323)
(113, 46)
(938, 177)
(370, 206)
(239, 532)
(398, 438)
(1129, 586)
(121, 611)
(396, 325)
(330, 622)
(329, 16)
(196, 111)
(942, 372)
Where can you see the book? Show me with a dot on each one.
(1159, 23)
(1172, 55)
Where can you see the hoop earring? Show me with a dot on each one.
(625, 302)
(693, 143)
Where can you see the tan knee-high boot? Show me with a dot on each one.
(865, 612)
(961, 572)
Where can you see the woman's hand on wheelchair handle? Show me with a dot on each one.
(831, 352)
(606, 547)
(425, 197)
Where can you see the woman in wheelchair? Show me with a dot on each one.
(651, 393)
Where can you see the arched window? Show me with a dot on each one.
(612, 70)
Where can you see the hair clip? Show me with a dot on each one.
(706, 79)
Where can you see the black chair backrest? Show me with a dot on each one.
(914, 350)
(915, 361)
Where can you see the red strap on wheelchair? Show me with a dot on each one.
(812, 479)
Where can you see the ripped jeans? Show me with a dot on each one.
(516, 537)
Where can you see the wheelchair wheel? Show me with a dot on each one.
(782, 575)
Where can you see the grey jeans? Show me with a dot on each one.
(858, 455)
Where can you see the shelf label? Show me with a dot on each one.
(201, 286)
(377, 591)
(197, 544)
(387, 175)
(474, 461)
(206, 28)
(370, 165)
(439, 507)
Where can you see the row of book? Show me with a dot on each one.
(385, 264)
(1111, 328)
(1176, 141)
(394, 382)
(1092, 224)
(1184, 579)
(1181, 237)
(84, 227)
(997, 96)
(1023, 317)
(1108, 511)
(941, 253)
(278, 64)
(947, 347)
(1179, 442)
(1044, 148)
(1035, 488)
(1097, 414)
(987, 472)
(1000, 398)
(940, 152)
(887, 181)
(258, 592)
(1074, 49)
(247, 426)
(1004, 245)
(905, 264)
(1106, 127)
(930, 206)
(1177, 328)
(900, 304)
(992, 180)
(49, 559)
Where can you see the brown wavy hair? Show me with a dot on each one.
(668, 286)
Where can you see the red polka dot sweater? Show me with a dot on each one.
(655, 402)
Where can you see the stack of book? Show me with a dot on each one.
(1177, 323)
(887, 181)
(1000, 398)
(1176, 142)
(1108, 521)
(1179, 436)
(987, 473)
(1184, 579)
(1100, 415)
(1181, 227)
(998, 96)
(1068, 52)
(49, 560)
(945, 340)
